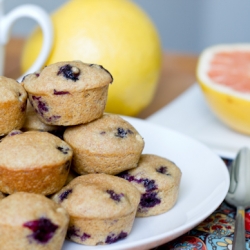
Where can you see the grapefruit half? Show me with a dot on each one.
(223, 73)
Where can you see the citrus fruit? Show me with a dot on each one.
(223, 72)
(117, 34)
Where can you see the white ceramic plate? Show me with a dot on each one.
(204, 185)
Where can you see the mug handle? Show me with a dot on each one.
(43, 19)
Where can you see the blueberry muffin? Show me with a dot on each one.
(32, 122)
(101, 208)
(32, 222)
(158, 181)
(35, 162)
(107, 145)
(68, 93)
(13, 101)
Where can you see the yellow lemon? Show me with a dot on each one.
(223, 72)
(117, 34)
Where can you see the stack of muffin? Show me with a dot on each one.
(67, 169)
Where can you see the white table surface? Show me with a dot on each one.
(190, 115)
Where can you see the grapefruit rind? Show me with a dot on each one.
(230, 106)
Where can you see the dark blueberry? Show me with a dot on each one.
(64, 195)
(115, 196)
(149, 199)
(64, 150)
(102, 133)
(53, 118)
(37, 74)
(69, 72)
(15, 132)
(60, 92)
(43, 229)
(149, 185)
(84, 237)
(41, 105)
(36, 98)
(73, 232)
(121, 133)
(125, 175)
(114, 238)
(162, 170)
(112, 79)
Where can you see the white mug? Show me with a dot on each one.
(41, 17)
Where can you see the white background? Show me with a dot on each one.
(184, 25)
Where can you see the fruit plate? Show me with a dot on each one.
(204, 184)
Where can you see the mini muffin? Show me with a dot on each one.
(68, 93)
(101, 208)
(32, 122)
(107, 145)
(13, 101)
(35, 162)
(32, 222)
(158, 181)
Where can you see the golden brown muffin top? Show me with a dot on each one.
(98, 196)
(154, 171)
(109, 134)
(33, 149)
(68, 76)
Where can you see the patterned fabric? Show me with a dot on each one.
(214, 233)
